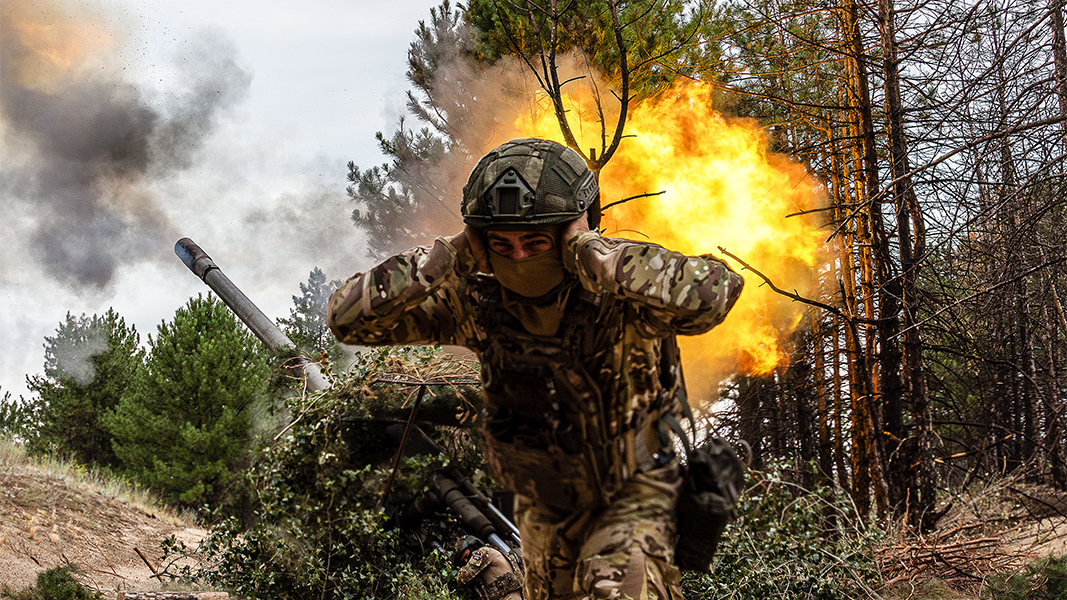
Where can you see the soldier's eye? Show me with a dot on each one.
(539, 245)
(499, 247)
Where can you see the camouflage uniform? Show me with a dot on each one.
(630, 299)
(496, 576)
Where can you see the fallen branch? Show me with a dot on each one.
(150, 567)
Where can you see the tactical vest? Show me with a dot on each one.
(549, 425)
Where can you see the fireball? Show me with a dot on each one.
(46, 43)
(706, 181)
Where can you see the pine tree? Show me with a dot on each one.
(183, 429)
(18, 418)
(88, 365)
(306, 325)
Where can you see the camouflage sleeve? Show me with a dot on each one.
(682, 294)
(478, 562)
(412, 298)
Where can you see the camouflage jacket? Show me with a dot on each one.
(431, 295)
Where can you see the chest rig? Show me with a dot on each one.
(550, 428)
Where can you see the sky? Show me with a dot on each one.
(234, 122)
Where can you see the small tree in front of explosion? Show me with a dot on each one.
(183, 427)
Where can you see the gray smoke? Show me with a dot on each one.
(80, 151)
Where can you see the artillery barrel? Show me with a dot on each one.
(203, 267)
(478, 523)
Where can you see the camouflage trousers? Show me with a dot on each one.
(624, 551)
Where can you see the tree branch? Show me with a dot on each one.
(645, 195)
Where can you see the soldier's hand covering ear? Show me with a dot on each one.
(574, 228)
(478, 249)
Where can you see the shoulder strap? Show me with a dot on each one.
(677, 428)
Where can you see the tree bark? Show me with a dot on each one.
(911, 235)
(867, 460)
(1059, 55)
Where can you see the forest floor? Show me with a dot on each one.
(53, 517)
(993, 529)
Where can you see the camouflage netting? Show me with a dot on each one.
(385, 390)
(323, 527)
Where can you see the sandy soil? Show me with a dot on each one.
(46, 521)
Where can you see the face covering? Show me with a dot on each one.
(530, 277)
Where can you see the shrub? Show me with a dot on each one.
(19, 419)
(791, 543)
(54, 584)
(318, 532)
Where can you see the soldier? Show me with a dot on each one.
(576, 338)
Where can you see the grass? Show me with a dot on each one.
(90, 479)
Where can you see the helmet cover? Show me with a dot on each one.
(527, 183)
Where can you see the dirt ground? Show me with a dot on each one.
(49, 521)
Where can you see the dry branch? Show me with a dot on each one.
(155, 573)
(963, 563)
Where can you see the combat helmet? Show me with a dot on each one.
(530, 182)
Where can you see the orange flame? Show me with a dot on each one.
(721, 186)
(49, 42)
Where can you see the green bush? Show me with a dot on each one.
(88, 365)
(317, 532)
(1045, 579)
(791, 543)
(54, 584)
(19, 419)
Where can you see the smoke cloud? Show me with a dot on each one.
(74, 356)
(84, 137)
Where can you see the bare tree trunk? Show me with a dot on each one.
(867, 461)
(838, 404)
(797, 381)
(912, 243)
(822, 408)
(1059, 54)
(749, 417)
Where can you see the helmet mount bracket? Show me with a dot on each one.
(510, 196)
